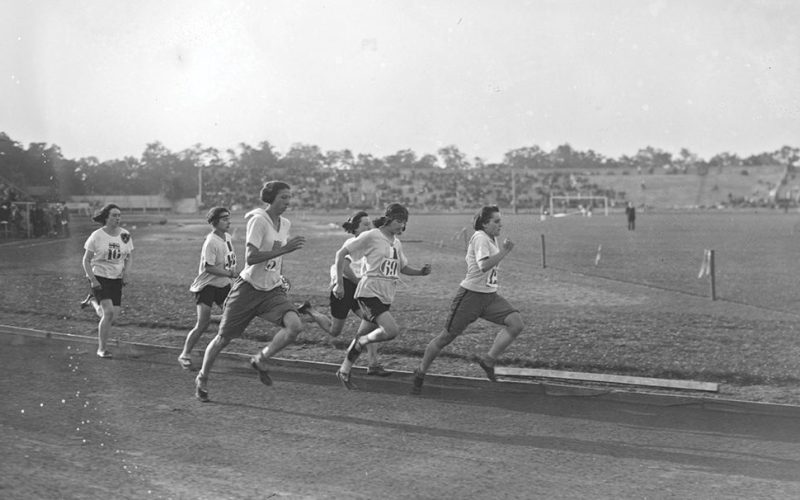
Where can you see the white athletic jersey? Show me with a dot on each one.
(262, 234)
(481, 247)
(355, 265)
(109, 252)
(382, 261)
(216, 251)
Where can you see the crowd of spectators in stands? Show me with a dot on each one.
(422, 189)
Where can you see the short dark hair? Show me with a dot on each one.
(215, 214)
(352, 222)
(102, 216)
(271, 190)
(483, 216)
(394, 211)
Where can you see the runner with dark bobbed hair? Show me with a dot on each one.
(341, 307)
(383, 263)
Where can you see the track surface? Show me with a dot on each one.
(76, 426)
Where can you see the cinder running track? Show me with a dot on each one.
(76, 426)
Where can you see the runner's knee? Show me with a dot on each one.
(444, 339)
(391, 332)
(514, 324)
(294, 329)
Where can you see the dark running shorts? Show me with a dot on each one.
(468, 306)
(245, 303)
(371, 308)
(340, 308)
(109, 289)
(211, 295)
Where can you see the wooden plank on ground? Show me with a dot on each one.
(613, 379)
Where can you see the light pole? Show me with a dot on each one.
(199, 186)
(205, 159)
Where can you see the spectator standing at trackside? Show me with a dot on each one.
(260, 288)
(340, 308)
(384, 261)
(17, 219)
(5, 211)
(477, 297)
(37, 220)
(63, 217)
(5, 217)
(630, 213)
(107, 262)
(213, 282)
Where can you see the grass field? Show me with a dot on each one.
(639, 310)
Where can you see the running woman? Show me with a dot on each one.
(259, 290)
(107, 262)
(384, 261)
(213, 282)
(340, 308)
(477, 297)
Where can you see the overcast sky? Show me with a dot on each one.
(105, 77)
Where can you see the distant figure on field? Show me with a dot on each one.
(630, 213)
(213, 281)
(477, 297)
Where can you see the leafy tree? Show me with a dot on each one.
(531, 157)
(405, 158)
(340, 160)
(453, 158)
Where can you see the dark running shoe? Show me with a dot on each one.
(488, 369)
(263, 375)
(378, 371)
(87, 301)
(419, 379)
(344, 378)
(354, 351)
(304, 307)
(200, 389)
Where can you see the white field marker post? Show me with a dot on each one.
(707, 269)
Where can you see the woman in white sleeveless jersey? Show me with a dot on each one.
(107, 262)
(384, 261)
(477, 297)
(214, 277)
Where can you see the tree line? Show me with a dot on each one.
(235, 171)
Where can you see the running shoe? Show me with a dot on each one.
(104, 354)
(87, 301)
(419, 379)
(344, 378)
(263, 374)
(304, 307)
(354, 350)
(378, 371)
(201, 389)
(488, 369)
(186, 362)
